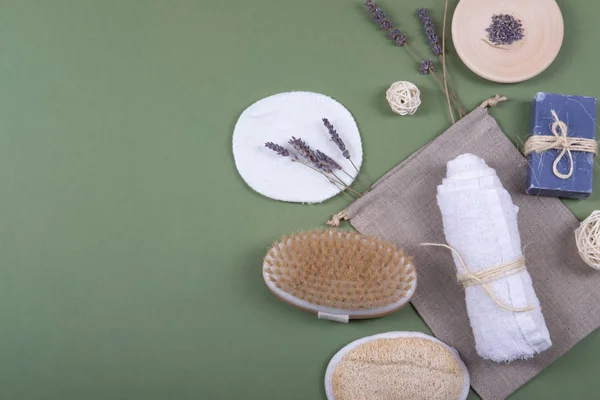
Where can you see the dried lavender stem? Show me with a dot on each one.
(461, 111)
(453, 96)
(351, 162)
(342, 188)
(349, 176)
(417, 59)
(445, 92)
(434, 42)
(358, 175)
(452, 92)
(444, 59)
(344, 183)
(330, 179)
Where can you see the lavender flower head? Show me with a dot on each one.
(327, 162)
(380, 17)
(336, 138)
(426, 67)
(306, 152)
(282, 151)
(433, 39)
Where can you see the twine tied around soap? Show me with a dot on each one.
(468, 278)
(560, 141)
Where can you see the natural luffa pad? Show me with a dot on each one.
(397, 365)
(402, 208)
(579, 115)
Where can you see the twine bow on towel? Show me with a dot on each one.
(560, 141)
(483, 278)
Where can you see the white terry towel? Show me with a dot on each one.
(480, 223)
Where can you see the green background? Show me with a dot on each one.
(130, 248)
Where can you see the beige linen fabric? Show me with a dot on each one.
(402, 208)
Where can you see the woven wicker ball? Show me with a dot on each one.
(587, 237)
(404, 97)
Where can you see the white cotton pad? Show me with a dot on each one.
(397, 365)
(276, 119)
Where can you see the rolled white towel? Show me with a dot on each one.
(480, 223)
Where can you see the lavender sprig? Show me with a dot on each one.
(385, 23)
(427, 22)
(426, 67)
(282, 151)
(336, 138)
(438, 50)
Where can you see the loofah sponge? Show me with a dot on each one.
(397, 365)
(340, 275)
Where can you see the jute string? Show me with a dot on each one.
(493, 101)
(468, 278)
(337, 218)
(560, 141)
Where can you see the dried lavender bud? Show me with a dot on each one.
(394, 34)
(426, 67)
(306, 152)
(505, 29)
(282, 151)
(336, 138)
(378, 15)
(386, 24)
(370, 6)
(401, 40)
(432, 38)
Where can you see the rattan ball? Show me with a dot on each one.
(587, 237)
(404, 98)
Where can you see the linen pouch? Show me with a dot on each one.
(401, 207)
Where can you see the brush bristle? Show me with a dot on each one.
(340, 269)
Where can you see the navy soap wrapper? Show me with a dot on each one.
(579, 114)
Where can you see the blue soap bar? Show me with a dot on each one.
(579, 114)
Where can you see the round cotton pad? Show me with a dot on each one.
(397, 365)
(276, 119)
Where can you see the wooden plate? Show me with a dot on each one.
(543, 29)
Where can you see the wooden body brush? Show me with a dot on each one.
(339, 275)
